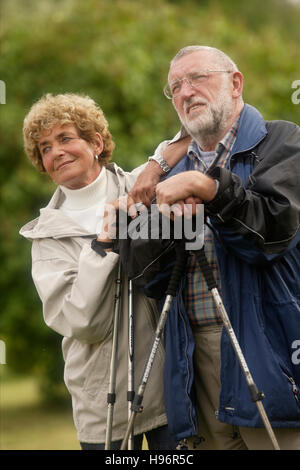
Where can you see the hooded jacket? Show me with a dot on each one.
(77, 289)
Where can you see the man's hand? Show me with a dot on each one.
(189, 187)
(144, 188)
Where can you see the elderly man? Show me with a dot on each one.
(246, 171)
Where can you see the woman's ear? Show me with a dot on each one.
(98, 144)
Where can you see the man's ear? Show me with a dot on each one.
(237, 84)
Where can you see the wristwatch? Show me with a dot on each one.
(162, 163)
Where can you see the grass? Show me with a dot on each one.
(27, 424)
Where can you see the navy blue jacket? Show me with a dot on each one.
(256, 215)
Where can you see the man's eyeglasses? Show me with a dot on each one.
(195, 80)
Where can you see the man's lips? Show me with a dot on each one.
(193, 106)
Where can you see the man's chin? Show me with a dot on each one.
(196, 126)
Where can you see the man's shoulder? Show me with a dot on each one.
(282, 130)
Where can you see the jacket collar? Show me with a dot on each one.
(251, 131)
(56, 224)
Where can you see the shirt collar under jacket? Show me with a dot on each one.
(223, 149)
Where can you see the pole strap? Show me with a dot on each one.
(206, 269)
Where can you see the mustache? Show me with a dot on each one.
(192, 101)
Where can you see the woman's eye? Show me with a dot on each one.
(45, 150)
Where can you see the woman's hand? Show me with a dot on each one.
(109, 228)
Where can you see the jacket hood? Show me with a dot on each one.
(54, 223)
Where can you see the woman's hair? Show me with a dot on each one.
(67, 108)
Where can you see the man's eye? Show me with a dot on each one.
(199, 78)
(66, 139)
(175, 87)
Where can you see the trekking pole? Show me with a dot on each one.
(111, 396)
(256, 396)
(171, 292)
(130, 393)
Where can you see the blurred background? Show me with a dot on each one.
(118, 52)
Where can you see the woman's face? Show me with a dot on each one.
(68, 159)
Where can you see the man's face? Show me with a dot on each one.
(207, 108)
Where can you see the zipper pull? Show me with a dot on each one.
(294, 387)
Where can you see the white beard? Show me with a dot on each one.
(210, 124)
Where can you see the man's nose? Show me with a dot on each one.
(187, 89)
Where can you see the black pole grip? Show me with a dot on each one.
(178, 269)
(206, 269)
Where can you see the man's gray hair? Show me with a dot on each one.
(223, 59)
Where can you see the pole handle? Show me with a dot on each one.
(178, 269)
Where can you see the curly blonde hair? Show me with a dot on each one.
(67, 108)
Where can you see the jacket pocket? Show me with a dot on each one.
(97, 370)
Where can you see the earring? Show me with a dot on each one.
(96, 157)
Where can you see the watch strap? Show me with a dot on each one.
(162, 163)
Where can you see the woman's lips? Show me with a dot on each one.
(64, 164)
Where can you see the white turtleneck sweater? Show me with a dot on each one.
(86, 205)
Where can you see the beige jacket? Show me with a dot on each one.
(77, 288)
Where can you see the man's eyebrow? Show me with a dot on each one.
(191, 72)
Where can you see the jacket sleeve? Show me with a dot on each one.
(265, 212)
(77, 294)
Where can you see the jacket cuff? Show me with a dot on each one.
(98, 247)
(224, 194)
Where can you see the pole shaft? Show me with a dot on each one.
(113, 363)
(130, 359)
(139, 396)
(243, 364)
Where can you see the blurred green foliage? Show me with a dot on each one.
(118, 52)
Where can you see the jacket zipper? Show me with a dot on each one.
(152, 262)
(230, 162)
(294, 387)
(244, 151)
(188, 369)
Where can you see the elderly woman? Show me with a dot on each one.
(67, 137)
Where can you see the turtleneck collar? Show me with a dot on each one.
(88, 196)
